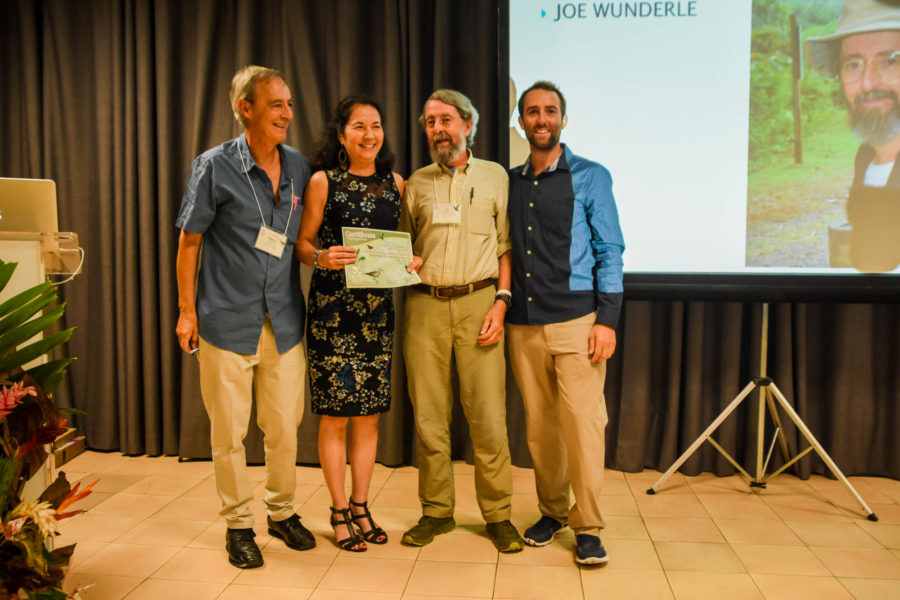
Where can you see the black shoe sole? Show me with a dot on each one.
(245, 565)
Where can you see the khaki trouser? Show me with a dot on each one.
(435, 332)
(227, 380)
(565, 413)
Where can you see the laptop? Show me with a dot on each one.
(28, 205)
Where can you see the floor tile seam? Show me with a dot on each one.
(644, 493)
(141, 519)
(127, 592)
(721, 533)
(725, 543)
(805, 545)
(669, 580)
(824, 524)
(880, 578)
(831, 576)
(77, 569)
(171, 580)
(418, 561)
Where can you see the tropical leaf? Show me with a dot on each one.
(32, 351)
(6, 271)
(25, 296)
(21, 312)
(28, 329)
(50, 375)
(54, 594)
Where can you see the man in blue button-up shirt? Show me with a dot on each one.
(242, 308)
(566, 297)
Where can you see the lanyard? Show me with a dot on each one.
(434, 179)
(253, 189)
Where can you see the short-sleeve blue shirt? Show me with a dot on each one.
(238, 284)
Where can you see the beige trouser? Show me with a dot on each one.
(227, 380)
(435, 331)
(565, 413)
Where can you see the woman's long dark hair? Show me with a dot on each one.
(326, 150)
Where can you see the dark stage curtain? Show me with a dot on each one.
(113, 99)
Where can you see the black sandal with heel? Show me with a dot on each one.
(351, 543)
(375, 535)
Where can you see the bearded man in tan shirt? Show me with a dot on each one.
(455, 213)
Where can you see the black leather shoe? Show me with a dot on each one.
(242, 549)
(294, 534)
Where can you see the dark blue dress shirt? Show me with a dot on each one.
(567, 244)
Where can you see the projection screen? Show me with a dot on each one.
(732, 157)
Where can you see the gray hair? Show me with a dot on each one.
(243, 85)
(461, 103)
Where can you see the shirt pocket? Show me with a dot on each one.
(481, 218)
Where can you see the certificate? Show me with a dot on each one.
(381, 258)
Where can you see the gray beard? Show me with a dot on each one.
(874, 127)
(448, 155)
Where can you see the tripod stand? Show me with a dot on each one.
(769, 395)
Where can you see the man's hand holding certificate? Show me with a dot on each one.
(381, 258)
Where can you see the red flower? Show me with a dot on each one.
(11, 396)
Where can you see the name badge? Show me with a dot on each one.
(446, 212)
(271, 241)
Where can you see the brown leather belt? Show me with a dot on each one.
(453, 291)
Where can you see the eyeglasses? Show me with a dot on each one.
(444, 120)
(886, 64)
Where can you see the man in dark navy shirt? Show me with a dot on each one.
(246, 314)
(566, 298)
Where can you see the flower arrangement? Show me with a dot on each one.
(29, 421)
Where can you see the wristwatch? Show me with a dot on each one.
(506, 298)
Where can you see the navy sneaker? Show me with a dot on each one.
(589, 550)
(542, 532)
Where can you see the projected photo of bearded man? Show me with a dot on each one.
(864, 54)
(872, 92)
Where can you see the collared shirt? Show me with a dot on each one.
(567, 244)
(864, 157)
(237, 283)
(457, 254)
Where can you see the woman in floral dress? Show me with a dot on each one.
(349, 331)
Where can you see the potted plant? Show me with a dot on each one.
(29, 422)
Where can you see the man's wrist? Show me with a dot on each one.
(505, 298)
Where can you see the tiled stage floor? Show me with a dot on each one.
(152, 531)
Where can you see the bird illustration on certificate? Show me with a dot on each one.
(381, 258)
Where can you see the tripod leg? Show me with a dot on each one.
(819, 449)
(703, 436)
(777, 420)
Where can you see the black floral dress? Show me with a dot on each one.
(350, 333)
